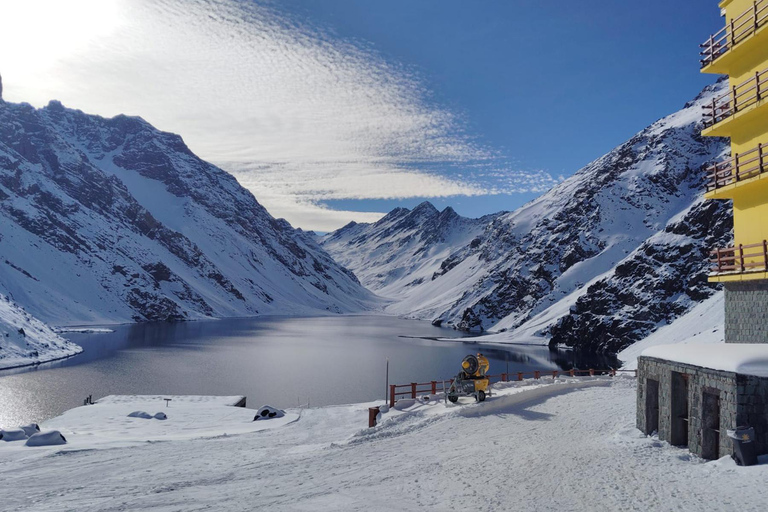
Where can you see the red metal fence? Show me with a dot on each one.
(740, 167)
(414, 389)
(740, 259)
(737, 99)
(736, 31)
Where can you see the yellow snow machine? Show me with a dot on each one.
(471, 380)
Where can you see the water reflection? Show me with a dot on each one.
(280, 361)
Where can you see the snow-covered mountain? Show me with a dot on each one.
(25, 340)
(598, 262)
(111, 220)
(404, 249)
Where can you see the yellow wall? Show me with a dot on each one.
(750, 213)
(747, 130)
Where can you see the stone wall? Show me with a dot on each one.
(722, 384)
(746, 303)
(753, 407)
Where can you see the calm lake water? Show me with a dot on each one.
(276, 361)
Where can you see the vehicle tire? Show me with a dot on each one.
(481, 396)
(453, 398)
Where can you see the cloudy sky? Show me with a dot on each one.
(340, 110)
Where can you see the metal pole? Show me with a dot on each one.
(386, 390)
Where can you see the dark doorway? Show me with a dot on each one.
(679, 434)
(710, 426)
(651, 406)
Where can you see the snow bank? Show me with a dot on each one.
(572, 449)
(746, 359)
(123, 420)
(25, 340)
(704, 324)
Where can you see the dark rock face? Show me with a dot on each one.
(652, 287)
(121, 221)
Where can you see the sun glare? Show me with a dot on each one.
(37, 35)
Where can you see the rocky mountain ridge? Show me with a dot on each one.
(112, 220)
(598, 262)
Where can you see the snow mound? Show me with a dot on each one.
(31, 429)
(268, 412)
(15, 434)
(52, 438)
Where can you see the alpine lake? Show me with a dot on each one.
(281, 361)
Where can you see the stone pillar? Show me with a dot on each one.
(746, 303)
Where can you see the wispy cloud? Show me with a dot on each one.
(298, 115)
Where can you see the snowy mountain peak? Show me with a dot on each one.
(599, 261)
(109, 220)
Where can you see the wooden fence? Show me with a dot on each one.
(734, 32)
(740, 96)
(740, 259)
(740, 167)
(414, 389)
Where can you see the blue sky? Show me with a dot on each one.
(339, 110)
(584, 75)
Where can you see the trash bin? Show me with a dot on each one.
(744, 451)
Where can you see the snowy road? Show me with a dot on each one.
(542, 449)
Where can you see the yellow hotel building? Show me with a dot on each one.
(740, 50)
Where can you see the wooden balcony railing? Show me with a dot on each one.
(739, 29)
(740, 167)
(740, 259)
(737, 99)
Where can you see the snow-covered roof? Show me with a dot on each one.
(746, 359)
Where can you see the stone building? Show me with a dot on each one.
(691, 394)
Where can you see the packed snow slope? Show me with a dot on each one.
(25, 340)
(556, 447)
(599, 262)
(111, 220)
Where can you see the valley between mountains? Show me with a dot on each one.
(111, 221)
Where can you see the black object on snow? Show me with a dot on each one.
(744, 452)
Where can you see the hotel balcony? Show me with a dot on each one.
(740, 262)
(747, 31)
(745, 101)
(726, 175)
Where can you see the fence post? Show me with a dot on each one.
(573, 372)
(591, 372)
(757, 85)
(733, 35)
(765, 254)
(755, 11)
(413, 390)
(554, 374)
(434, 387)
(613, 372)
(391, 395)
(536, 374)
(760, 158)
(519, 375)
(741, 257)
(372, 413)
